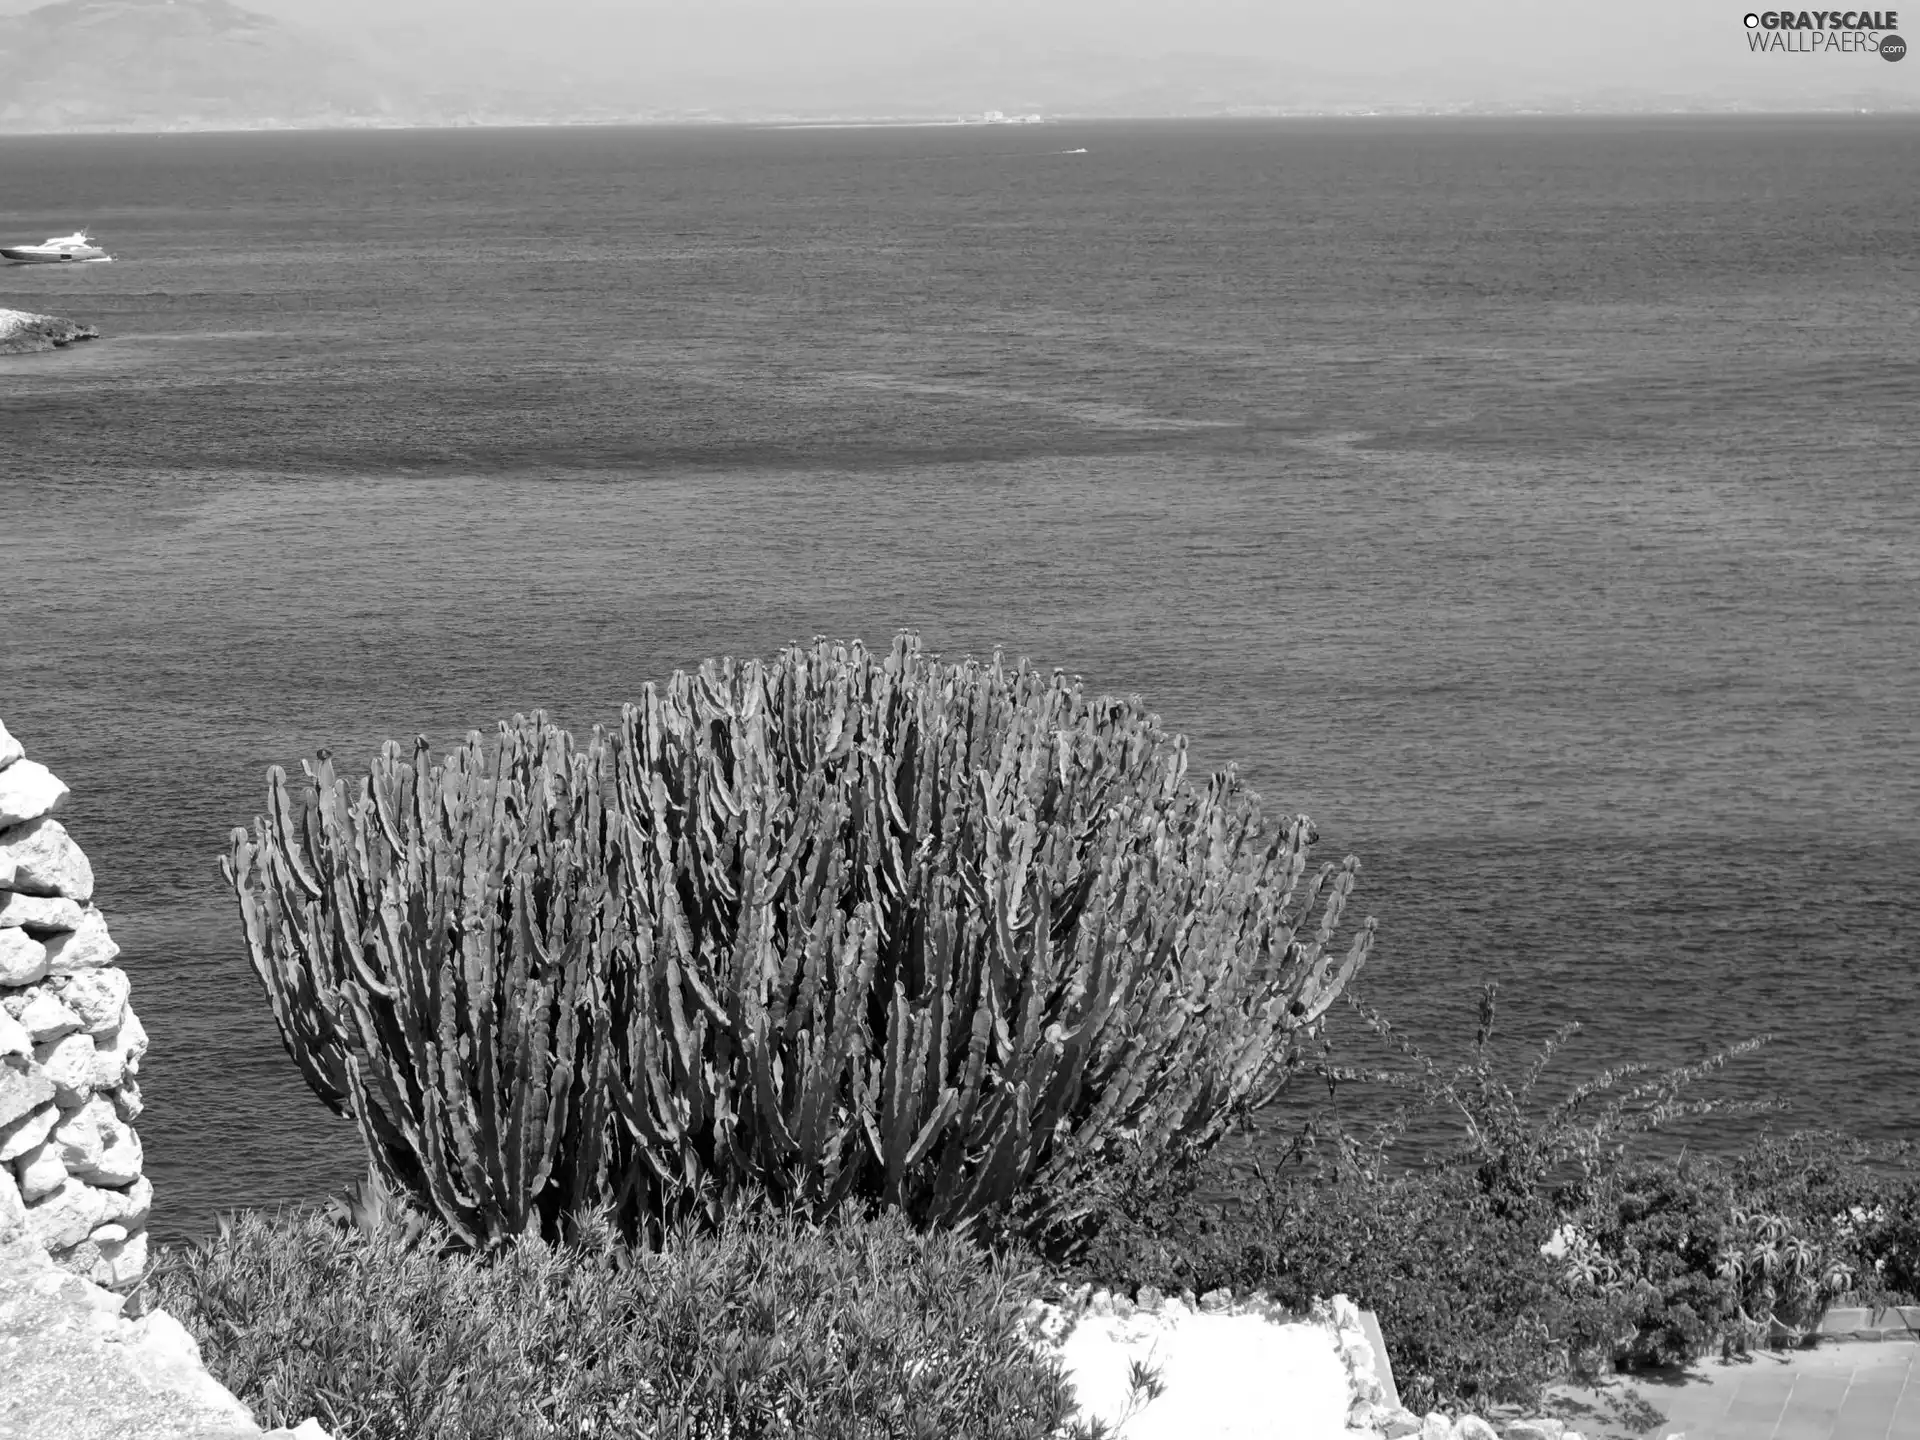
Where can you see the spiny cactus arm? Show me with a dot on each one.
(1007, 1161)
(683, 1044)
(837, 1036)
(948, 1185)
(304, 1024)
(767, 1107)
(385, 789)
(286, 830)
(1317, 999)
(395, 1154)
(819, 1032)
(656, 1150)
(937, 1127)
(396, 1062)
(812, 943)
(590, 1163)
(914, 1105)
(352, 923)
(530, 1054)
(655, 1052)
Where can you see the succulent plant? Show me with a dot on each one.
(946, 937)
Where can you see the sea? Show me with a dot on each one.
(1533, 502)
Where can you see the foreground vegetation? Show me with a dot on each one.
(1547, 1242)
(769, 1326)
(1545, 1246)
(743, 1071)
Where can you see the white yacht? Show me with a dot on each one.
(60, 250)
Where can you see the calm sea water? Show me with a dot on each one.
(1532, 503)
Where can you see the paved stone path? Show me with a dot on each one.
(1836, 1392)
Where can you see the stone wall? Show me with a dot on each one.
(70, 1046)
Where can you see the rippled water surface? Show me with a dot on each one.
(1534, 504)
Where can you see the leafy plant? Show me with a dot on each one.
(1472, 1313)
(1520, 1148)
(1537, 1247)
(769, 1326)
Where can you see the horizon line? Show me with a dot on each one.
(793, 122)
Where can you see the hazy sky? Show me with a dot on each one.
(1015, 53)
(734, 49)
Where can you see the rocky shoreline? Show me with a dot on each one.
(24, 333)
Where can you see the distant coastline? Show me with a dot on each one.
(1902, 107)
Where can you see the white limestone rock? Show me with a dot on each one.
(116, 1055)
(165, 1358)
(29, 1130)
(108, 1257)
(28, 790)
(15, 1038)
(1436, 1426)
(41, 858)
(22, 1089)
(1472, 1427)
(127, 1103)
(1548, 1429)
(96, 1145)
(130, 1207)
(23, 959)
(41, 1172)
(88, 947)
(98, 997)
(67, 1216)
(13, 1209)
(10, 748)
(47, 1019)
(39, 914)
(68, 1063)
(125, 1260)
(1398, 1424)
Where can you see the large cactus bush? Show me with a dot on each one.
(431, 939)
(948, 937)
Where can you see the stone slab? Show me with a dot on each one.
(72, 1367)
(1382, 1363)
(1859, 1323)
(1827, 1392)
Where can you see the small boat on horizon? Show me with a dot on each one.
(60, 250)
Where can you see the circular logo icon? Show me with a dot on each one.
(1892, 47)
(1753, 21)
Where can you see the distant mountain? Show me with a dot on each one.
(162, 64)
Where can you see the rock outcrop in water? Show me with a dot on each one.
(23, 333)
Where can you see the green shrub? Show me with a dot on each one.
(767, 1327)
(947, 937)
(1471, 1312)
(1649, 1260)
(1859, 1201)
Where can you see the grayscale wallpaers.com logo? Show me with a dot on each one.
(1808, 32)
